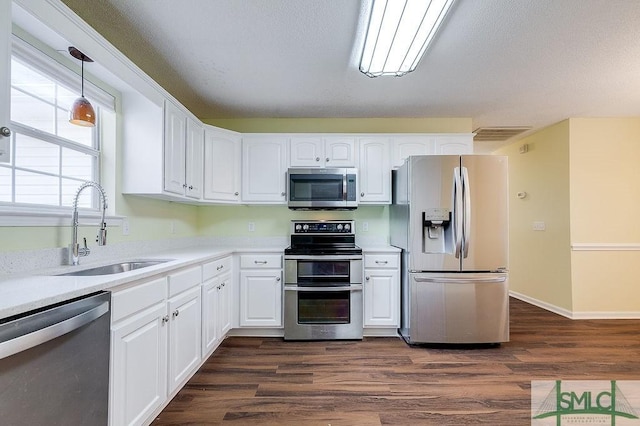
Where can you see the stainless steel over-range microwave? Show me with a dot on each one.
(321, 189)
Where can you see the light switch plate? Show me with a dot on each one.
(539, 226)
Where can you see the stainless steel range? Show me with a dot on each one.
(322, 281)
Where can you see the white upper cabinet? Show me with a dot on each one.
(322, 151)
(374, 172)
(5, 80)
(183, 150)
(223, 156)
(193, 162)
(175, 133)
(404, 146)
(454, 144)
(264, 167)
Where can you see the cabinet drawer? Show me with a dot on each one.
(135, 299)
(217, 267)
(381, 261)
(248, 261)
(184, 280)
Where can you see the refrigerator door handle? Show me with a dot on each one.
(466, 233)
(460, 280)
(457, 211)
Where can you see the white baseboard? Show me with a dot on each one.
(575, 315)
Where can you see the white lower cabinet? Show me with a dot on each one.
(138, 352)
(184, 336)
(381, 290)
(261, 290)
(216, 303)
(155, 343)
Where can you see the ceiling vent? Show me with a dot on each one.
(497, 134)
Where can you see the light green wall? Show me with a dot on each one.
(344, 125)
(540, 261)
(274, 221)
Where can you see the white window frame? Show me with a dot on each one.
(20, 214)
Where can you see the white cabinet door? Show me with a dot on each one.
(194, 161)
(210, 295)
(261, 298)
(138, 367)
(264, 166)
(318, 151)
(5, 74)
(374, 174)
(404, 146)
(306, 152)
(184, 336)
(454, 144)
(224, 305)
(381, 298)
(222, 151)
(340, 152)
(174, 149)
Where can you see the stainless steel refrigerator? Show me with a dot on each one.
(449, 216)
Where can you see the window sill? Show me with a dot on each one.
(42, 216)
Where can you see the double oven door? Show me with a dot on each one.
(323, 297)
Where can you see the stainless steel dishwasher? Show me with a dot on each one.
(54, 364)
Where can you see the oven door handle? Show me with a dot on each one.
(353, 287)
(323, 257)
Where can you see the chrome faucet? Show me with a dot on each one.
(75, 251)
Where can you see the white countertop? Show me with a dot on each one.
(24, 292)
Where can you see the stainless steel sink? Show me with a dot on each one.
(115, 268)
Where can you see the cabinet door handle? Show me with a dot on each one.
(165, 319)
(176, 313)
(5, 131)
(190, 187)
(219, 267)
(223, 284)
(283, 193)
(362, 194)
(218, 287)
(381, 262)
(236, 193)
(327, 159)
(260, 262)
(317, 158)
(367, 278)
(277, 278)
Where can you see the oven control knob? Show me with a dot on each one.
(305, 227)
(347, 227)
(298, 227)
(339, 227)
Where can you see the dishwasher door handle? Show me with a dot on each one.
(43, 335)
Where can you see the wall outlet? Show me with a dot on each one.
(252, 226)
(365, 226)
(539, 226)
(125, 227)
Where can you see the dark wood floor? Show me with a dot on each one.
(266, 381)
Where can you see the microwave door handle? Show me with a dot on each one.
(344, 187)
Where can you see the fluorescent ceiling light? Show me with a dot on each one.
(399, 33)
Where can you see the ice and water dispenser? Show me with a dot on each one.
(437, 234)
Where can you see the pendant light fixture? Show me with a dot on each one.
(81, 113)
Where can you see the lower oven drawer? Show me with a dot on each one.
(323, 313)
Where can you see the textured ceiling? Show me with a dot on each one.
(500, 62)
